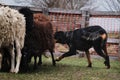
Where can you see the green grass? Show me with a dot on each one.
(71, 68)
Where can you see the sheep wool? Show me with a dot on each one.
(12, 29)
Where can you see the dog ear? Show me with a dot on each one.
(104, 36)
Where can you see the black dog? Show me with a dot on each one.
(83, 39)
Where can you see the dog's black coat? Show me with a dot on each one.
(83, 39)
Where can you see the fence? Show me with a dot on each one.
(72, 19)
(110, 21)
(63, 20)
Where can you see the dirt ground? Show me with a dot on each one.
(111, 48)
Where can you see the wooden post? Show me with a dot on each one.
(85, 19)
(119, 46)
(84, 23)
(45, 11)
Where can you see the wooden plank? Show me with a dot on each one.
(113, 41)
(105, 13)
(57, 10)
(62, 11)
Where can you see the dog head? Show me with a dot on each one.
(60, 37)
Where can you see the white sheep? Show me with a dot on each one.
(12, 33)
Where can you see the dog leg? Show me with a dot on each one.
(89, 59)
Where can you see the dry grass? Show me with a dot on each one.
(113, 35)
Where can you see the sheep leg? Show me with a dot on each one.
(40, 60)
(0, 60)
(18, 57)
(89, 59)
(12, 59)
(35, 62)
(53, 60)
